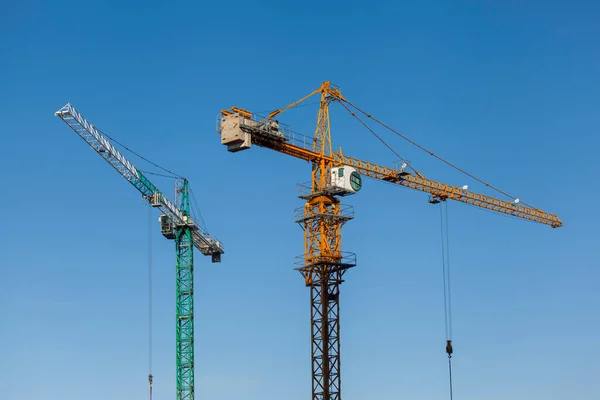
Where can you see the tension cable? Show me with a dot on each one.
(431, 153)
(447, 286)
(150, 299)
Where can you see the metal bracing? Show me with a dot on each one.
(325, 322)
(184, 246)
(324, 266)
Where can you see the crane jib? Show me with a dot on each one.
(281, 138)
(202, 240)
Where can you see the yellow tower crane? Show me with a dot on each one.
(322, 217)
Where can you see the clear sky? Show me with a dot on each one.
(508, 91)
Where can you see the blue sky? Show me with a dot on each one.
(507, 91)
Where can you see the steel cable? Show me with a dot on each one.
(430, 152)
(150, 377)
(447, 287)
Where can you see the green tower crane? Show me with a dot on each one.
(176, 223)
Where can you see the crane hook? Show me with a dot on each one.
(449, 348)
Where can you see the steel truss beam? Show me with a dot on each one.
(323, 265)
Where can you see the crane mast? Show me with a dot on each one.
(176, 224)
(335, 175)
(324, 264)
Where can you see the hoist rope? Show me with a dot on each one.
(447, 287)
(150, 299)
(342, 101)
(446, 269)
(450, 374)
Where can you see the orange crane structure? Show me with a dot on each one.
(335, 175)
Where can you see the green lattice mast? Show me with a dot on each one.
(185, 300)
